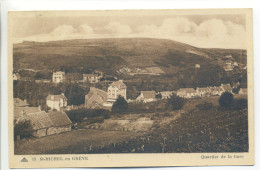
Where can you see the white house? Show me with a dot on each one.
(186, 92)
(91, 78)
(216, 91)
(115, 89)
(167, 94)
(243, 91)
(203, 91)
(58, 77)
(56, 101)
(16, 76)
(146, 96)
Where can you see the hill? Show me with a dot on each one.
(111, 54)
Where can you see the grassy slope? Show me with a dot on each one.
(109, 54)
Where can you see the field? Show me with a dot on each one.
(76, 141)
(214, 129)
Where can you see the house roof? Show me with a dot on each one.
(226, 87)
(148, 94)
(20, 103)
(90, 75)
(18, 111)
(56, 97)
(39, 120)
(243, 89)
(118, 84)
(94, 90)
(59, 72)
(187, 90)
(216, 88)
(203, 89)
(91, 98)
(59, 118)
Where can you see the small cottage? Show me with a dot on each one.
(57, 102)
(203, 91)
(226, 87)
(243, 91)
(186, 92)
(216, 91)
(146, 96)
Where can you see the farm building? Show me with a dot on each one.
(58, 77)
(115, 89)
(146, 96)
(61, 123)
(243, 91)
(57, 102)
(96, 98)
(203, 91)
(44, 124)
(186, 92)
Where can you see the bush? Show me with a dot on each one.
(240, 104)
(78, 115)
(226, 99)
(205, 106)
(175, 102)
(23, 129)
(120, 105)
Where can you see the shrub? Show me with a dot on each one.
(226, 99)
(175, 102)
(240, 104)
(120, 105)
(158, 96)
(23, 129)
(205, 106)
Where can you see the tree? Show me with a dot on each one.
(226, 99)
(120, 105)
(158, 96)
(23, 129)
(236, 90)
(175, 102)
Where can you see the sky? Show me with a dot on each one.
(205, 31)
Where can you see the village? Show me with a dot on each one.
(54, 120)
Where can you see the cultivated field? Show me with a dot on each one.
(76, 141)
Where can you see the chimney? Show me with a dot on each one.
(25, 100)
(39, 108)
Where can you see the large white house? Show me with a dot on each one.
(56, 101)
(115, 89)
(58, 77)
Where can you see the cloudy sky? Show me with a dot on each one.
(207, 31)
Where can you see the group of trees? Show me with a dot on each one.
(36, 93)
(227, 100)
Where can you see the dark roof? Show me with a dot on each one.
(56, 97)
(59, 118)
(18, 111)
(187, 90)
(40, 120)
(20, 103)
(148, 94)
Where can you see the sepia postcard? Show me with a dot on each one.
(130, 88)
